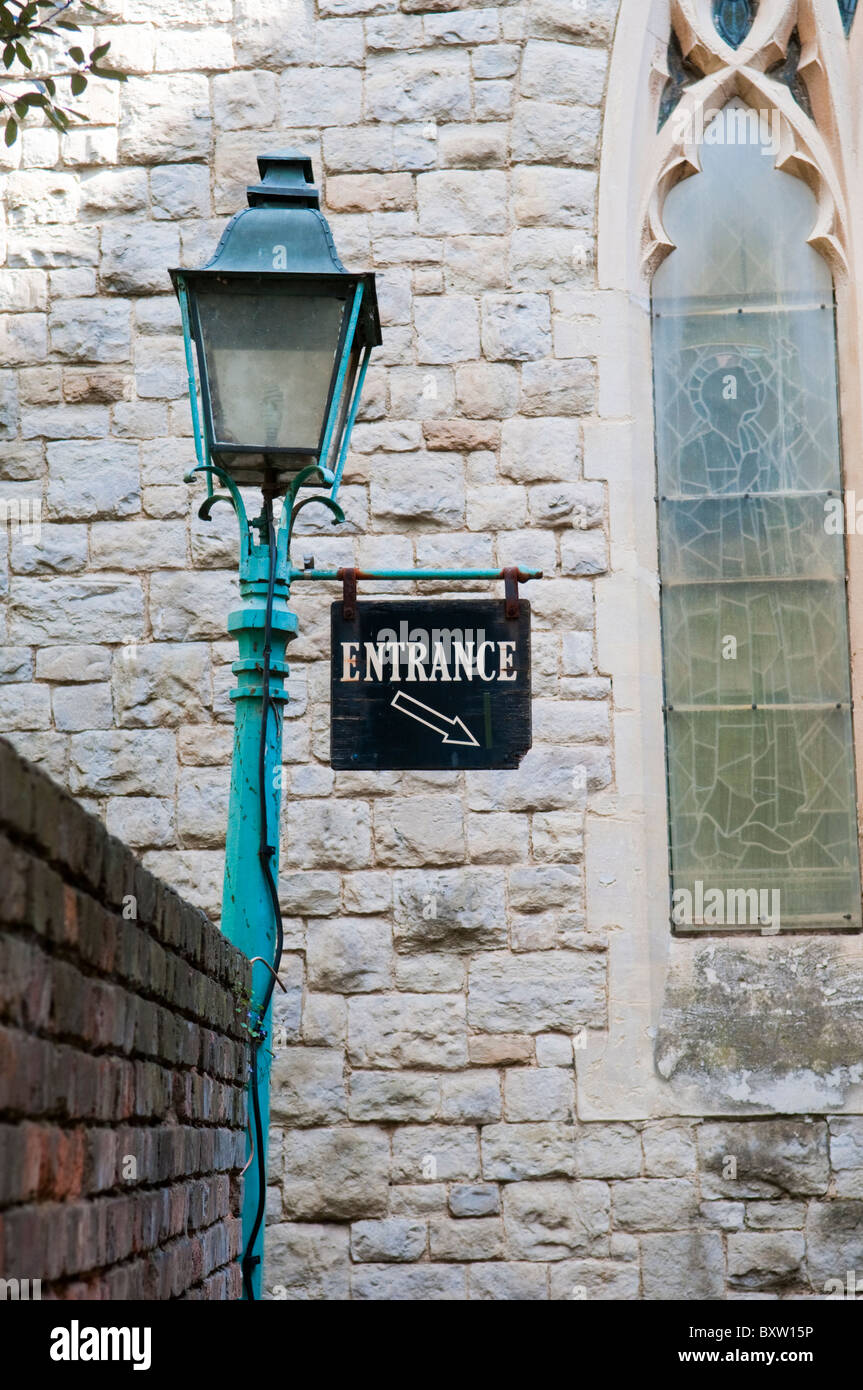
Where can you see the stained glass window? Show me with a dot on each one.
(761, 784)
(733, 19)
(847, 8)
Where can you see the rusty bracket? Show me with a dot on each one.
(349, 579)
(511, 577)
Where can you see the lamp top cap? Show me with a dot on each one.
(287, 180)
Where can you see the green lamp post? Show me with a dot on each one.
(282, 335)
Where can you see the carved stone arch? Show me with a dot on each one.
(745, 73)
(627, 891)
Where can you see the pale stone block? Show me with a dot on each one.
(554, 1050)
(121, 762)
(669, 1151)
(368, 892)
(474, 1199)
(67, 664)
(114, 191)
(544, 132)
(495, 508)
(435, 1153)
(16, 664)
(202, 806)
(573, 74)
(357, 149)
(557, 387)
(430, 974)
(329, 833)
(40, 196)
(683, 1265)
(493, 837)
(479, 1239)
(60, 550)
(82, 707)
(496, 60)
(75, 610)
(460, 202)
(23, 339)
(321, 97)
(197, 875)
(418, 87)
(540, 1093)
(463, 26)
(395, 1238)
(135, 264)
(55, 246)
(447, 329)
(426, 490)
(771, 1157)
(471, 1098)
(336, 1174)
(165, 118)
(554, 197)
(419, 830)
(557, 836)
(605, 1280)
(655, 1204)
(533, 992)
(551, 1220)
(142, 822)
(475, 147)
(347, 955)
(325, 1020)
(404, 1030)
(393, 1097)
(180, 190)
(493, 101)
(307, 1086)
(22, 291)
(137, 545)
(540, 450)
(475, 264)
(765, 1261)
(307, 1261)
(414, 1283)
(516, 327)
(24, 706)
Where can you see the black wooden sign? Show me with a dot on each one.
(430, 684)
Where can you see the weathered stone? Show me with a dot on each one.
(87, 481)
(683, 1265)
(419, 830)
(90, 330)
(541, 1093)
(83, 707)
(202, 806)
(165, 118)
(474, 1199)
(308, 1086)
(551, 1220)
(390, 1097)
(324, 833)
(423, 1283)
(136, 265)
(538, 450)
(447, 329)
(500, 1050)
(516, 327)
(834, 1241)
(763, 1158)
(435, 1153)
(336, 1174)
(764, 1261)
(612, 1280)
(306, 1261)
(655, 1204)
(166, 683)
(418, 87)
(846, 1142)
(123, 762)
(406, 488)
(472, 1098)
(347, 955)
(189, 606)
(143, 822)
(478, 1239)
(776, 1216)
(430, 973)
(407, 1030)
(394, 1238)
(60, 610)
(543, 133)
(511, 1153)
(537, 991)
(458, 909)
(669, 1151)
(558, 388)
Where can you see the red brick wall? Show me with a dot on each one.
(122, 1064)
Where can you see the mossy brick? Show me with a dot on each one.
(25, 983)
(18, 788)
(20, 1162)
(101, 1161)
(157, 968)
(46, 909)
(169, 920)
(146, 892)
(118, 873)
(97, 935)
(15, 869)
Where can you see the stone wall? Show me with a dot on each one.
(445, 966)
(122, 1066)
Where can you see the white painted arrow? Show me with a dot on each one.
(433, 719)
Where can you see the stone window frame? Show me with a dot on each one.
(626, 860)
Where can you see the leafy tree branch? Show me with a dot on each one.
(30, 29)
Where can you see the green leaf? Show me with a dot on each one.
(99, 52)
(67, 24)
(11, 131)
(79, 83)
(109, 74)
(8, 55)
(51, 86)
(76, 54)
(23, 55)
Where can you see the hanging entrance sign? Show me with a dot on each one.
(430, 684)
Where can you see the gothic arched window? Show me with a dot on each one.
(761, 782)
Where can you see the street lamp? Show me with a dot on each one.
(282, 335)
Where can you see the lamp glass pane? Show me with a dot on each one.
(270, 361)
